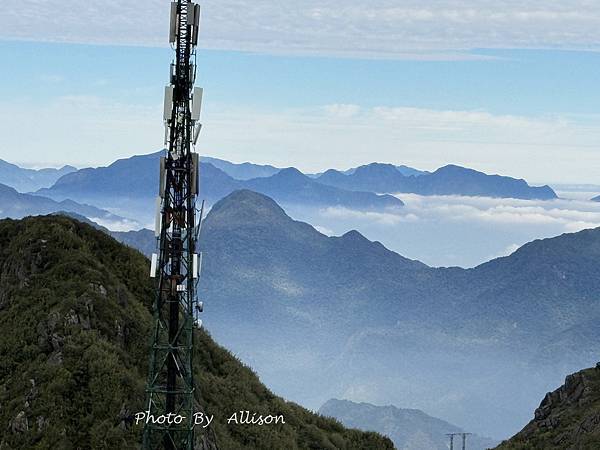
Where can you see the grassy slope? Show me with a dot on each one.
(75, 319)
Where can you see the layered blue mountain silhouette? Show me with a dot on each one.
(128, 185)
(242, 171)
(447, 180)
(27, 180)
(16, 205)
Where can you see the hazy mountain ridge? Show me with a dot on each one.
(27, 180)
(447, 180)
(16, 205)
(404, 170)
(78, 305)
(374, 177)
(409, 429)
(241, 171)
(131, 184)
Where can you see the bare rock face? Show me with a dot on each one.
(568, 418)
(19, 424)
(42, 422)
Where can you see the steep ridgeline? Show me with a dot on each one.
(130, 185)
(16, 205)
(567, 419)
(75, 320)
(409, 429)
(447, 180)
(27, 180)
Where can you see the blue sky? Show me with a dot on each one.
(521, 82)
(310, 98)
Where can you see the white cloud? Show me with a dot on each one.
(382, 218)
(51, 78)
(464, 231)
(116, 225)
(80, 130)
(436, 29)
(342, 110)
(509, 250)
(90, 130)
(548, 148)
(570, 215)
(323, 230)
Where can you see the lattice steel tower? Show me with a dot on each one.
(176, 265)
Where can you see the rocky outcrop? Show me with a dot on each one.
(568, 418)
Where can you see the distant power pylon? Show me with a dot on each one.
(464, 439)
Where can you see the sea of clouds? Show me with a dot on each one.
(461, 231)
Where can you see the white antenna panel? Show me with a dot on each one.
(174, 23)
(196, 22)
(197, 132)
(195, 181)
(162, 177)
(158, 218)
(196, 104)
(168, 107)
(197, 264)
(153, 264)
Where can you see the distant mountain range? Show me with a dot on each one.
(243, 171)
(130, 185)
(404, 170)
(16, 205)
(447, 180)
(567, 418)
(409, 429)
(27, 180)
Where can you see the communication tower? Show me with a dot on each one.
(176, 266)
